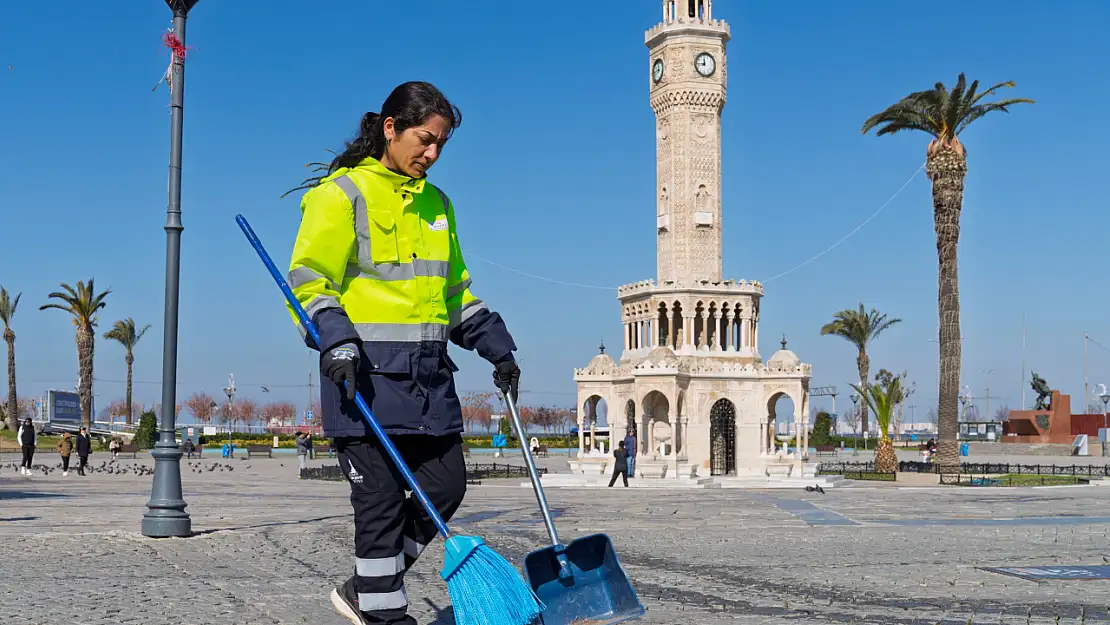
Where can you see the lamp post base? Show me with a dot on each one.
(165, 516)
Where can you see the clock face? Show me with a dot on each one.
(657, 70)
(705, 64)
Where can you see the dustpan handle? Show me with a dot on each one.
(532, 473)
(310, 328)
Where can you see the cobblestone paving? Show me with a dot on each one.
(269, 547)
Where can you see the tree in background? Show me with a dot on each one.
(881, 397)
(477, 409)
(7, 312)
(282, 412)
(83, 304)
(932, 418)
(859, 327)
(944, 114)
(885, 378)
(147, 433)
(1002, 414)
(822, 429)
(126, 334)
(200, 404)
(246, 410)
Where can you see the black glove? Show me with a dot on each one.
(506, 375)
(340, 364)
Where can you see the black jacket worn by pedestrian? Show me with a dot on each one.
(622, 460)
(84, 445)
(27, 435)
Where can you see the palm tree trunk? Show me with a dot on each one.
(947, 167)
(130, 361)
(13, 400)
(864, 364)
(85, 367)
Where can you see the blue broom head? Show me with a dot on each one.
(485, 588)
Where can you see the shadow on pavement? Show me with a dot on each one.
(271, 524)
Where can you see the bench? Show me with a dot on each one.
(827, 450)
(127, 448)
(196, 450)
(541, 451)
(260, 449)
(323, 449)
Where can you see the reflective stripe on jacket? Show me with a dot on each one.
(377, 260)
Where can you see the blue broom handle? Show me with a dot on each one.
(310, 327)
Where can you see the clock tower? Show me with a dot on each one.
(687, 89)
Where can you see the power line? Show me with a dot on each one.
(775, 277)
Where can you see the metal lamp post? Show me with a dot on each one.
(229, 390)
(165, 515)
(855, 413)
(1105, 399)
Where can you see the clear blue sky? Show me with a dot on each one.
(552, 173)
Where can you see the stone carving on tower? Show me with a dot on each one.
(687, 94)
(690, 381)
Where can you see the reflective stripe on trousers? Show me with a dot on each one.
(373, 601)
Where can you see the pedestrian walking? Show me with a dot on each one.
(65, 448)
(27, 438)
(378, 266)
(302, 451)
(84, 448)
(113, 447)
(620, 465)
(630, 447)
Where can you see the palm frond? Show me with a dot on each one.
(125, 333)
(980, 110)
(8, 306)
(941, 112)
(82, 303)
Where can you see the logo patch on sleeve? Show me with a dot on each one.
(439, 224)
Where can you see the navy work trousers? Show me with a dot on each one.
(392, 529)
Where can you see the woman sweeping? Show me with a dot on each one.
(378, 267)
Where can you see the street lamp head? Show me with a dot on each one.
(181, 7)
(1105, 398)
(855, 397)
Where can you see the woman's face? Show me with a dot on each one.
(414, 151)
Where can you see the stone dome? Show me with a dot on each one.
(784, 359)
(602, 363)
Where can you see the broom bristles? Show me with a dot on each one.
(486, 589)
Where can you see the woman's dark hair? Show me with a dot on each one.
(410, 104)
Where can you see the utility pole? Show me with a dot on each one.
(1023, 360)
(308, 407)
(988, 398)
(165, 516)
(1086, 377)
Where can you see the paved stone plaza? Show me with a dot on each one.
(269, 547)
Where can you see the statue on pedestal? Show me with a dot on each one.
(1044, 394)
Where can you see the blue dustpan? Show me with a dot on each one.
(582, 583)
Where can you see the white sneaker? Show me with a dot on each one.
(65, 473)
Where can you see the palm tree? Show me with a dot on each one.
(859, 327)
(882, 397)
(125, 333)
(83, 303)
(944, 114)
(7, 311)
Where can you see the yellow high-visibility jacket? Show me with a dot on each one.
(377, 261)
